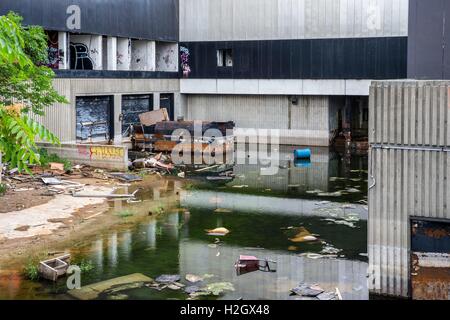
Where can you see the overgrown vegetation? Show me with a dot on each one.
(31, 271)
(24, 78)
(3, 189)
(124, 213)
(85, 266)
(46, 158)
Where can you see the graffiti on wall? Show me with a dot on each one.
(184, 57)
(101, 152)
(55, 55)
(80, 58)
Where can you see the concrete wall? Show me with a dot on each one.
(276, 87)
(61, 118)
(215, 20)
(305, 123)
(143, 55)
(123, 54)
(409, 165)
(99, 156)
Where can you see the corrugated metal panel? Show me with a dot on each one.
(408, 183)
(412, 113)
(61, 118)
(218, 20)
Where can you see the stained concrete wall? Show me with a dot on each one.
(166, 56)
(143, 55)
(304, 123)
(61, 118)
(216, 20)
(409, 167)
(123, 54)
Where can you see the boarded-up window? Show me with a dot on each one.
(94, 118)
(132, 106)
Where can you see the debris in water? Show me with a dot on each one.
(303, 236)
(352, 190)
(193, 278)
(329, 249)
(218, 231)
(241, 186)
(222, 210)
(173, 287)
(327, 296)
(330, 194)
(307, 290)
(168, 278)
(343, 222)
(218, 288)
(314, 191)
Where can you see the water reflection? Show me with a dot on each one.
(259, 217)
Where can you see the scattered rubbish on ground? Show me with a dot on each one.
(54, 268)
(217, 231)
(329, 249)
(126, 177)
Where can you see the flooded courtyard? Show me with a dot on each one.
(326, 197)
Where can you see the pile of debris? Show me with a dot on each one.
(157, 133)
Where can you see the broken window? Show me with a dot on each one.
(132, 106)
(94, 118)
(225, 58)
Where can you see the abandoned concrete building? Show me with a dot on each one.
(304, 67)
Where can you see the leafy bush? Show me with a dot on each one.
(45, 159)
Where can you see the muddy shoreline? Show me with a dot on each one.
(82, 224)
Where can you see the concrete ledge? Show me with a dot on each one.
(350, 87)
(100, 156)
(319, 138)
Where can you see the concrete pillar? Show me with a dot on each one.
(156, 100)
(123, 56)
(117, 125)
(63, 47)
(180, 105)
(111, 54)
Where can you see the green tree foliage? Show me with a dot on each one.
(25, 89)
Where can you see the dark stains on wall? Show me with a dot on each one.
(144, 19)
(351, 58)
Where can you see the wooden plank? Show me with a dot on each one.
(152, 117)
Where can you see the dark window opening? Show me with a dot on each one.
(225, 58)
(166, 101)
(132, 106)
(94, 118)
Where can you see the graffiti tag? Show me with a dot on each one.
(184, 55)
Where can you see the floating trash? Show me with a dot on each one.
(303, 236)
(218, 231)
(168, 278)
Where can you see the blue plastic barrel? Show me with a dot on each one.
(302, 153)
